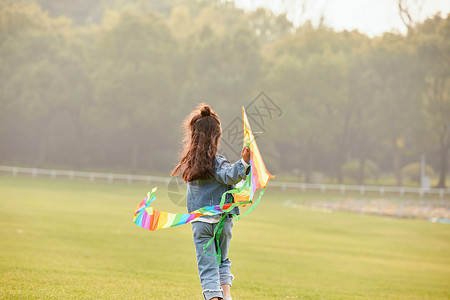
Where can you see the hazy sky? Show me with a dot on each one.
(372, 17)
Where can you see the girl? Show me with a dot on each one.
(208, 176)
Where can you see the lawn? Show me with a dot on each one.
(76, 240)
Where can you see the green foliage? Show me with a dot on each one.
(412, 171)
(351, 169)
(433, 49)
(42, 77)
(133, 71)
(267, 26)
(99, 85)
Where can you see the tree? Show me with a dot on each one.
(267, 26)
(409, 12)
(364, 82)
(433, 49)
(133, 79)
(313, 77)
(42, 76)
(397, 97)
(223, 68)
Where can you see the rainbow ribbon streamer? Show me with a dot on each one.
(244, 192)
(150, 219)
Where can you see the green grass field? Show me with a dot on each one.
(76, 240)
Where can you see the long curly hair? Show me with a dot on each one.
(200, 143)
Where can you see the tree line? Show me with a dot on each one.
(109, 87)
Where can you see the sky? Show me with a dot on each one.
(372, 17)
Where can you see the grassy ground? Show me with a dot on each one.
(76, 240)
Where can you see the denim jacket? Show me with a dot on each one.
(205, 192)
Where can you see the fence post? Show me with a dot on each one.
(342, 189)
(362, 189)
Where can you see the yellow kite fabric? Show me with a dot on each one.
(259, 174)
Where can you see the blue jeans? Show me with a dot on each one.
(211, 275)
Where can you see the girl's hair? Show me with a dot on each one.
(200, 143)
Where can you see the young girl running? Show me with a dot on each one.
(208, 176)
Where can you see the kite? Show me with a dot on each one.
(244, 193)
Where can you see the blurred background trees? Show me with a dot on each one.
(107, 85)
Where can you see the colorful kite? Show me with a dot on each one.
(259, 177)
(244, 193)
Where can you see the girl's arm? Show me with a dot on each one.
(228, 173)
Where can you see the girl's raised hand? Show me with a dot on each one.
(246, 154)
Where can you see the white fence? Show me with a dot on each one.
(79, 175)
(284, 186)
(361, 189)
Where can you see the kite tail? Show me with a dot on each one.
(219, 227)
(148, 218)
